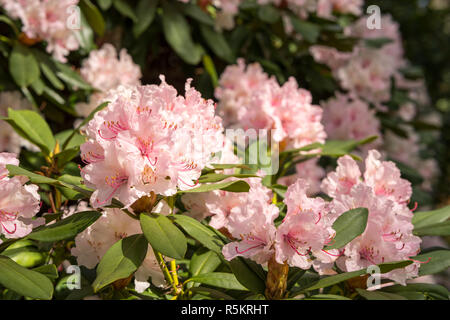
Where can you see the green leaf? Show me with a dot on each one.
(23, 66)
(76, 141)
(201, 233)
(309, 31)
(51, 76)
(34, 127)
(104, 4)
(178, 34)
(163, 235)
(65, 156)
(124, 8)
(23, 281)
(145, 14)
(203, 261)
(377, 43)
(439, 260)
(121, 260)
(379, 295)
(433, 290)
(93, 16)
(216, 177)
(231, 186)
(34, 178)
(269, 14)
(219, 279)
(337, 148)
(327, 297)
(70, 76)
(438, 229)
(25, 255)
(246, 273)
(66, 228)
(429, 218)
(348, 226)
(48, 270)
(195, 12)
(211, 69)
(332, 280)
(217, 42)
(211, 293)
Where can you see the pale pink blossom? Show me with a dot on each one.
(249, 99)
(47, 20)
(388, 235)
(105, 70)
(305, 230)
(19, 202)
(149, 139)
(345, 118)
(253, 224)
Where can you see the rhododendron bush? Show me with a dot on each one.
(225, 149)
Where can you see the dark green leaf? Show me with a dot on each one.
(93, 16)
(145, 13)
(218, 279)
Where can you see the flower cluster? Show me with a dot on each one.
(249, 99)
(104, 71)
(346, 118)
(47, 20)
(388, 236)
(366, 72)
(19, 202)
(149, 139)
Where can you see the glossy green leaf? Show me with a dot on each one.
(429, 218)
(163, 235)
(34, 127)
(231, 186)
(348, 226)
(66, 228)
(201, 233)
(23, 281)
(433, 261)
(121, 260)
(218, 279)
(217, 43)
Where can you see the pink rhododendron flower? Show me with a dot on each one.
(249, 99)
(104, 70)
(47, 20)
(221, 205)
(149, 139)
(252, 222)
(388, 236)
(114, 225)
(19, 202)
(306, 229)
(345, 118)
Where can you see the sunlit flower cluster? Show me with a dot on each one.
(47, 20)
(149, 139)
